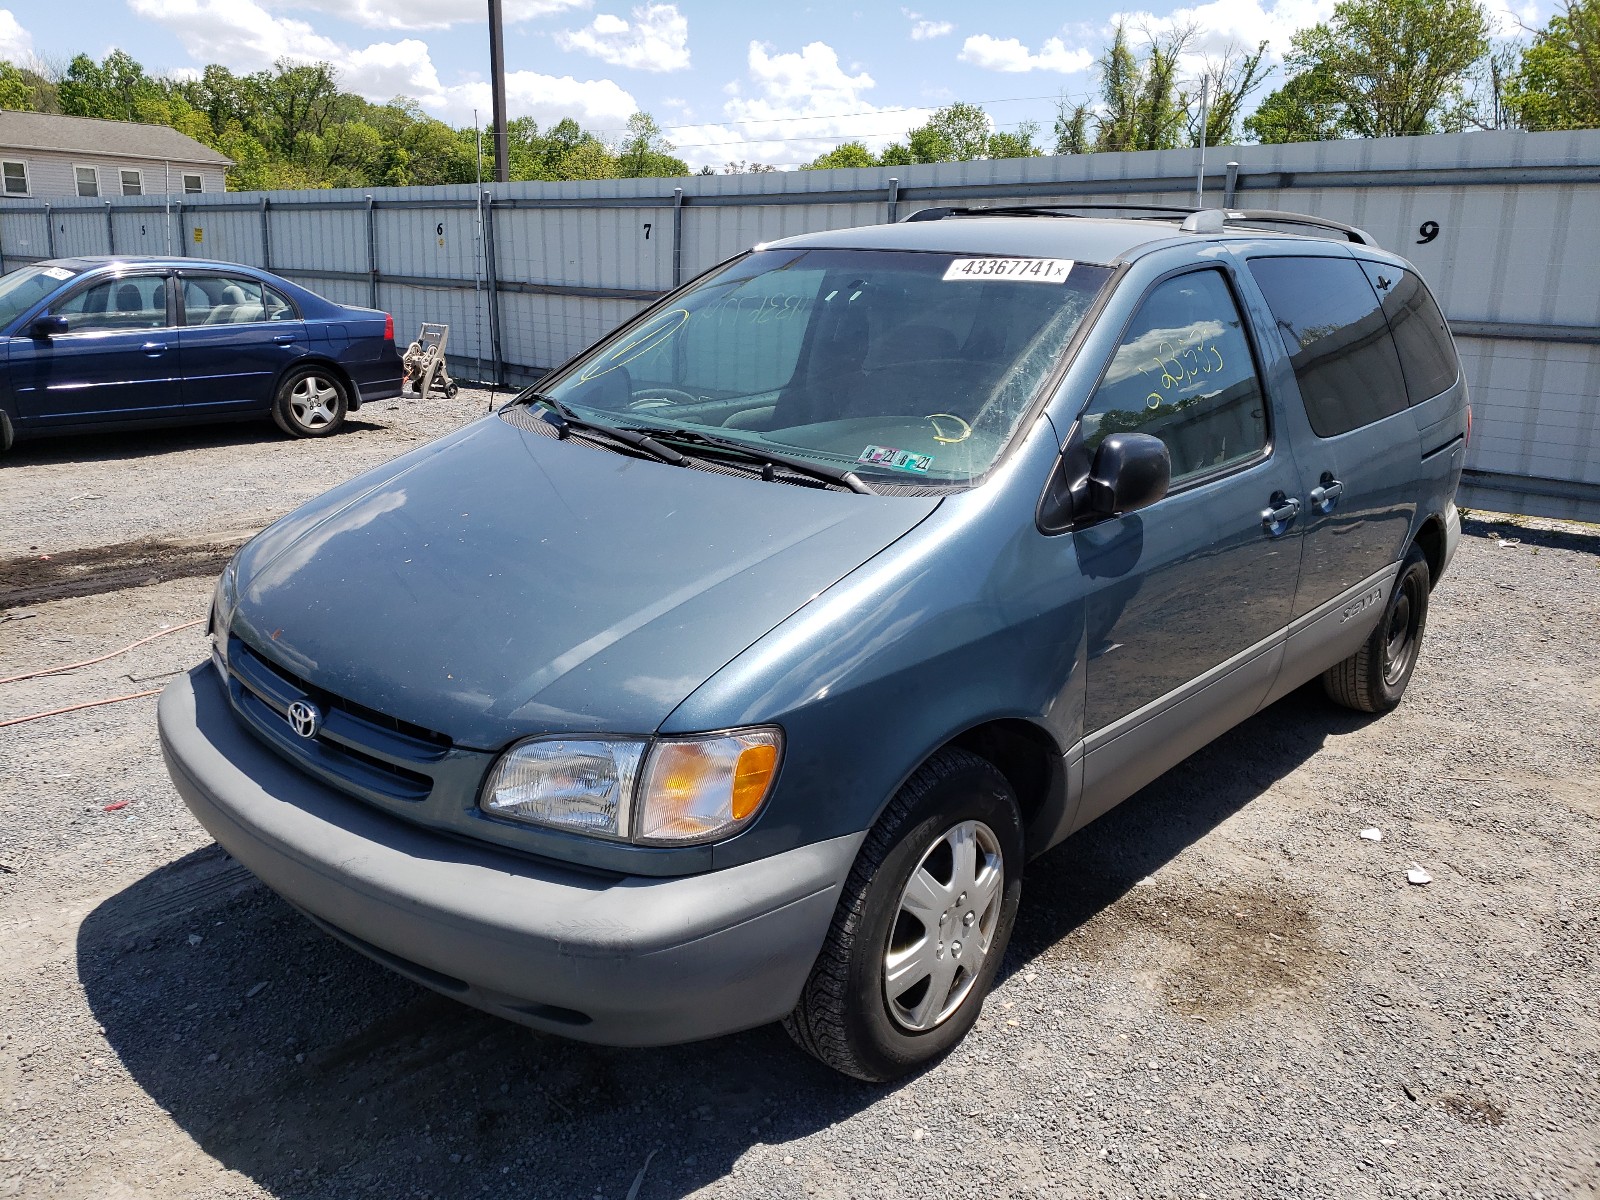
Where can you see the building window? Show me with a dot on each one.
(132, 183)
(16, 178)
(88, 181)
(192, 184)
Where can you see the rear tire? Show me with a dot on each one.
(892, 992)
(1374, 678)
(311, 402)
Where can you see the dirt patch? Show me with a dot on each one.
(1472, 1110)
(1211, 951)
(37, 578)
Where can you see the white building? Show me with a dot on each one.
(44, 156)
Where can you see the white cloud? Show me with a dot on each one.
(16, 43)
(656, 40)
(923, 29)
(243, 36)
(1008, 54)
(791, 108)
(425, 14)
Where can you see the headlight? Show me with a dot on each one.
(582, 785)
(223, 601)
(671, 791)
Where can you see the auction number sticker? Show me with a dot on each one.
(1026, 270)
(56, 272)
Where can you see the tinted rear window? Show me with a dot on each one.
(1427, 355)
(1337, 338)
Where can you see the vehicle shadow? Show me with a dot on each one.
(293, 1060)
(144, 443)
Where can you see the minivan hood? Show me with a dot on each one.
(501, 583)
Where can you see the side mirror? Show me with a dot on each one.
(1130, 471)
(48, 327)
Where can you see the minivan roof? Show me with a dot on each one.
(1087, 239)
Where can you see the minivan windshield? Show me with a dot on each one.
(903, 366)
(21, 289)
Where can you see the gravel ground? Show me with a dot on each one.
(1219, 990)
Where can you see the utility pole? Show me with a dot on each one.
(1200, 172)
(497, 76)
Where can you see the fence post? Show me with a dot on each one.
(49, 232)
(894, 200)
(266, 237)
(111, 231)
(372, 254)
(492, 271)
(677, 237)
(1231, 186)
(2, 252)
(183, 241)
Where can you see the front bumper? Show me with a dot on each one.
(629, 961)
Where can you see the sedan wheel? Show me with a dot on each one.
(310, 404)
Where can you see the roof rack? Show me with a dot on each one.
(1195, 220)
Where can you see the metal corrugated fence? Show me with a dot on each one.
(1504, 226)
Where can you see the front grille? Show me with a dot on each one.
(357, 749)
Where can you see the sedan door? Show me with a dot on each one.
(1188, 597)
(119, 359)
(238, 335)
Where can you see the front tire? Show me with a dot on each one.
(1374, 678)
(311, 402)
(921, 926)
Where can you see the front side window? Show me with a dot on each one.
(132, 183)
(15, 177)
(1427, 354)
(88, 181)
(21, 289)
(1184, 372)
(134, 302)
(899, 365)
(1344, 359)
(220, 300)
(192, 184)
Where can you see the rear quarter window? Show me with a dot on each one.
(1338, 340)
(1427, 355)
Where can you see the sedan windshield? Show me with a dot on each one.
(905, 366)
(21, 289)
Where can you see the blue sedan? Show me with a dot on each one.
(95, 344)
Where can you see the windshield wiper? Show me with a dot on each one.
(760, 454)
(628, 437)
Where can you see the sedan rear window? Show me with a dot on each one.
(890, 363)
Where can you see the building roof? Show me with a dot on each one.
(113, 139)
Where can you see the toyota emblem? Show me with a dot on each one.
(304, 719)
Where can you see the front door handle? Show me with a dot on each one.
(1279, 514)
(283, 339)
(1325, 496)
(154, 348)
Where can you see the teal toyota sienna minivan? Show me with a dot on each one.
(733, 674)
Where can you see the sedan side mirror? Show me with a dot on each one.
(48, 327)
(1130, 471)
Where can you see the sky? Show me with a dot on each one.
(746, 81)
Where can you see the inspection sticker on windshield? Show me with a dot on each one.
(56, 272)
(1026, 270)
(896, 460)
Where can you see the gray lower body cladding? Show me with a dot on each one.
(621, 961)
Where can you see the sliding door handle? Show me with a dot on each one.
(1279, 514)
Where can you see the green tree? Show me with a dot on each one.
(1302, 110)
(1228, 82)
(1142, 106)
(1072, 125)
(110, 89)
(645, 151)
(1557, 83)
(16, 93)
(1381, 68)
(1015, 145)
(846, 154)
(955, 133)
